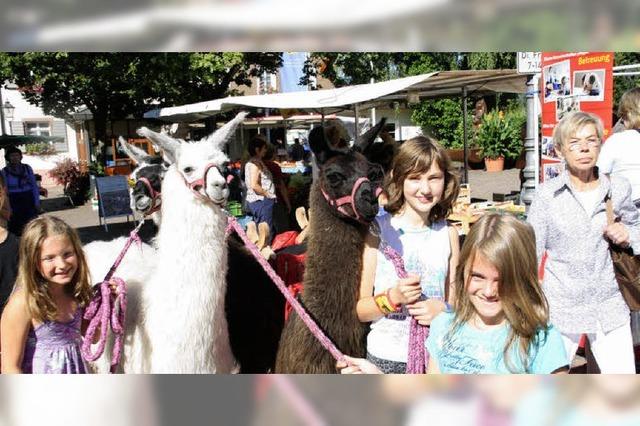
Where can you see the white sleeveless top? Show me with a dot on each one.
(425, 252)
(266, 182)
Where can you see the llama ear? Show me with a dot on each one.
(168, 144)
(367, 138)
(135, 153)
(221, 136)
(319, 145)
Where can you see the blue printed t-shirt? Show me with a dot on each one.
(473, 351)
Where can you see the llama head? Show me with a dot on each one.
(348, 180)
(146, 179)
(202, 164)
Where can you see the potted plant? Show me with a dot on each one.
(499, 137)
(75, 182)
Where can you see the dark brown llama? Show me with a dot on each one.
(334, 253)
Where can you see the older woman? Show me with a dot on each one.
(24, 194)
(569, 218)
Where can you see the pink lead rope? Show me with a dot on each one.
(418, 356)
(100, 313)
(309, 322)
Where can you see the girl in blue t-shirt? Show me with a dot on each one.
(500, 324)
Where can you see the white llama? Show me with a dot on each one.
(185, 326)
(175, 316)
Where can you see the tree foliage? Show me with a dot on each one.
(440, 118)
(623, 83)
(116, 85)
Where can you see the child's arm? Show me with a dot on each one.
(406, 291)
(366, 307)
(450, 285)
(357, 366)
(14, 328)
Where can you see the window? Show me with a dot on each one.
(37, 128)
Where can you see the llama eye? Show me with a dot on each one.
(335, 178)
(187, 170)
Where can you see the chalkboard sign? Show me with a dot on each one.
(113, 198)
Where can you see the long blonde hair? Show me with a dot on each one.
(416, 156)
(39, 301)
(509, 245)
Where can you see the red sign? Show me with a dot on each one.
(573, 82)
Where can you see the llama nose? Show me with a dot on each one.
(197, 188)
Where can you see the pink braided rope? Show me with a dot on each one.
(101, 314)
(418, 357)
(302, 406)
(309, 322)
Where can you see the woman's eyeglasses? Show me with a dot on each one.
(576, 145)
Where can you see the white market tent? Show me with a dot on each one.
(463, 83)
(360, 97)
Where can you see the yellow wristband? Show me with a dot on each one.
(382, 301)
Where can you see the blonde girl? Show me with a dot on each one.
(41, 324)
(500, 324)
(421, 190)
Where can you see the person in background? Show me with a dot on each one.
(282, 207)
(297, 151)
(24, 194)
(569, 217)
(261, 195)
(620, 154)
(8, 249)
(281, 150)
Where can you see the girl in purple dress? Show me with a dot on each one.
(41, 324)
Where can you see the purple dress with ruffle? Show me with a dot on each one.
(54, 348)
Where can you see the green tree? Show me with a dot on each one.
(116, 85)
(440, 118)
(623, 83)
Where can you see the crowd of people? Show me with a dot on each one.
(487, 308)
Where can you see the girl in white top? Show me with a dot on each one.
(421, 190)
(261, 194)
(620, 154)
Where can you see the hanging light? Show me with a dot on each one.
(8, 110)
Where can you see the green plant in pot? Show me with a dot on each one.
(75, 182)
(499, 137)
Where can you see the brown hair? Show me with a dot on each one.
(39, 301)
(629, 108)
(416, 155)
(508, 244)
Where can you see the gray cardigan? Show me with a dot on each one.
(579, 281)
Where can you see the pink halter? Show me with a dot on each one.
(156, 199)
(348, 200)
(202, 182)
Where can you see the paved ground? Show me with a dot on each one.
(85, 219)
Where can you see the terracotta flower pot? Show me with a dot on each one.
(494, 164)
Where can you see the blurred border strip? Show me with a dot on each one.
(290, 25)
